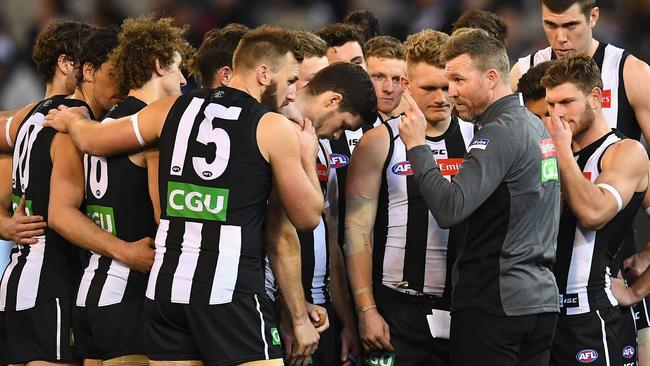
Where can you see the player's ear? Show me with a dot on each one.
(224, 75)
(406, 84)
(160, 70)
(593, 17)
(596, 98)
(263, 75)
(88, 72)
(332, 99)
(65, 64)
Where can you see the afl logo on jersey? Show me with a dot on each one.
(206, 174)
(402, 168)
(176, 169)
(338, 160)
(628, 352)
(587, 356)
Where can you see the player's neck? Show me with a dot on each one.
(247, 85)
(148, 93)
(56, 87)
(593, 46)
(437, 128)
(79, 94)
(598, 129)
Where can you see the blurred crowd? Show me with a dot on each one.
(625, 23)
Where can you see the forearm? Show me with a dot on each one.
(339, 287)
(587, 201)
(312, 174)
(444, 199)
(84, 233)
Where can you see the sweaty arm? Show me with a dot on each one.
(66, 196)
(9, 127)
(362, 189)
(595, 204)
(294, 177)
(488, 161)
(127, 134)
(283, 248)
(515, 75)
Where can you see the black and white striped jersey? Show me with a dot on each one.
(341, 152)
(616, 108)
(314, 246)
(410, 249)
(214, 186)
(584, 256)
(117, 199)
(51, 268)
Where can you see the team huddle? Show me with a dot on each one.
(329, 197)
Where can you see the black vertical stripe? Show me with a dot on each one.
(454, 143)
(599, 55)
(626, 120)
(417, 228)
(341, 146)
(307, 262)
(170, 259)
(14, 278)
(326, 289)
(98, 281)
(205, 268)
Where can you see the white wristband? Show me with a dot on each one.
(8, 131)
(136, 129)
(614, 192)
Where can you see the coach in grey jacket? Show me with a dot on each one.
(506, 199)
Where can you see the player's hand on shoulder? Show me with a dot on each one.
(58, 118)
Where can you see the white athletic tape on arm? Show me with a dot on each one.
(8, 131)
(136, 129)
(614, 192)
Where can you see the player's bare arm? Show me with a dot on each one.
(66, 196)
(362, 189)
(636, 75)
(283, 248)
(295, 181)
(125, 134)
(594, 204)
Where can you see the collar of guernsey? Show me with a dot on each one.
(500, 105)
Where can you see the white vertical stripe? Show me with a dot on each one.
(58, 329)
(602, 328)
(5, 277)
(30, 276)
(161, 238)
(608, 287)
(645, 310)
(227, 270)
(262, 326)
(184, 274)
(183, 135)
(435, 267)
(610, 76)
(320, 263)
(580, 266)
(115, 285)
(352, 136)
(86, 280)
(631, 309)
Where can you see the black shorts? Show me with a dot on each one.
(111, 331)
(233, 333)
(590, 338)
(482, 338)
(42, 333)
(406, 316)
(627, 337)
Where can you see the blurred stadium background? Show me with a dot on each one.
(625, 23)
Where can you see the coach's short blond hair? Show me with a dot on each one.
(486, 51)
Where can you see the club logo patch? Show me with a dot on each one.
(402, 168)
(479, 144)
(607, 98)
(339, 160)
(587, 356)
(628, 352)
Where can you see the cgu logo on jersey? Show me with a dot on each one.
(402, 168)
(628, 352)
(450, 166)
(380, 359)
(321, 170)
(587, 356)
(103, 217)
(339, 160)
(549, 161)
(196, 202)
(607, 98)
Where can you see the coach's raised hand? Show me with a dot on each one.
(61, 117)
(413, 126)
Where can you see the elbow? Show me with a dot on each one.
(53, 221)
(592, 220)
(307, 222)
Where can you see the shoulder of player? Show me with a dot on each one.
(629, 151)
(275, 120)
(375, 141)
(636, 74)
